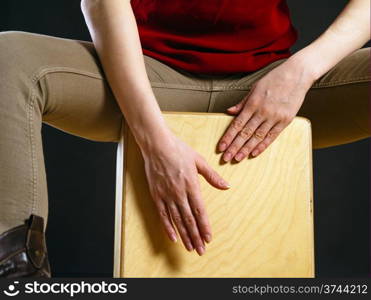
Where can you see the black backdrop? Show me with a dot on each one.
(81, 173)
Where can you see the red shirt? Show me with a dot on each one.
(215, 36)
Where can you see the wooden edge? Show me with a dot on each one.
(311, 196)
(118, 205)
(311, 202)
(166, 112)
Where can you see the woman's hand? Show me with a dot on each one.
(172, 175)
(270, 106)
(277, 97)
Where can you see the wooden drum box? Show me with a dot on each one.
(262, 226)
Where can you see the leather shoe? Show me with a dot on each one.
(23, 250)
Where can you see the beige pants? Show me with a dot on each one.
(60, 82)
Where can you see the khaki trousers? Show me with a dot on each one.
(60, 82)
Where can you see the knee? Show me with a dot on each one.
(13, 54)
(14, 46)
(10, 44)
(16, 69)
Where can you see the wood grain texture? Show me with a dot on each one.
(262, 226)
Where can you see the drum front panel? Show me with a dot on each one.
(262, 226)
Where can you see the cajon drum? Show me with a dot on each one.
(262, 226)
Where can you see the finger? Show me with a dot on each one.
(269, 138)
(199, 211)
(257, 137)
(210, 174)
(235, 127)
(191, 226)
(237, 108)
(178, 221)
(165, 218)
(242, 137)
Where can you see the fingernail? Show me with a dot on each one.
(239, 156)
(254, 153)
(225, 184)
(207, 238)
(173, 237)
(200, 250)
(189, 247)
(227, 156)
(222, 146)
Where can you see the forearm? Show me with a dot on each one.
(349, 32)
(115, 36)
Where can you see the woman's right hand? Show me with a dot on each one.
(172, 167)
(172, 175)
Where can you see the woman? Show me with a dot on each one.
(211, 56)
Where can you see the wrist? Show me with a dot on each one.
(153, 139)
(306, 66)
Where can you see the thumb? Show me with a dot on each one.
(236, 108)
(210, 174)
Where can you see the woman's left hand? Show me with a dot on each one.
(271, 105)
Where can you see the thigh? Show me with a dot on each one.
(338, 103)
(84, 105)
(67, 80)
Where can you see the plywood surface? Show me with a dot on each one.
(262, 226)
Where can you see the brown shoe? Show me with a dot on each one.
(23, 250)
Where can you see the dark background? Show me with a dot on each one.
(81, 173)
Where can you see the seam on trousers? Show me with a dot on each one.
(340, 82)
(198, 88)
(177, 86)
(47, 70)
(30, 116)
(211, 104)
(314, 86)
(32, 150)
(40, 73)
(44, 71)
